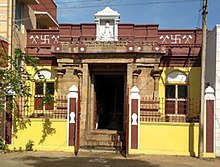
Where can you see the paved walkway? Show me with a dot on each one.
(61, 159)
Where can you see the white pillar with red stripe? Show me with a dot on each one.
(209, 122)
(72, 112)
(134, 118)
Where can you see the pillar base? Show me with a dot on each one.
(209, 155)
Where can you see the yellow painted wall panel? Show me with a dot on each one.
(32, 72)
(168, 138)
(193, 74)
(49, 133)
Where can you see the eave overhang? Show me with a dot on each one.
(45, 19)
(30, 2)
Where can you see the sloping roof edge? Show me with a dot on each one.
(40, 14)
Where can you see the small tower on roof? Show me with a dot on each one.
(107, 24)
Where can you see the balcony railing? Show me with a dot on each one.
(163, 110)
(30, 111)
(151, 110)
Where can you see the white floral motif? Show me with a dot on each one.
(72, 117)
(134, 119)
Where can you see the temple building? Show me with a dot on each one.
(124, 86)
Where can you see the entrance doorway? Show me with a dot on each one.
(109, 98)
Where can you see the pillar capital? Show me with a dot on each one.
(156, 72)
(135, 74)
(60, 71)
(78, 72)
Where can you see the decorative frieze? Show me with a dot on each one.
(108, 47)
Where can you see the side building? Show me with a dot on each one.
(16, 17)
(213, 77)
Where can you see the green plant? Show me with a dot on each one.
(3, 146)
(29, 145)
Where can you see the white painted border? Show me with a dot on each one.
(3, 4)
(176, 77)
(209, 95)
(46, 13)
(73, 93)
(134, 95)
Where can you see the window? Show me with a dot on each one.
(18, 14)
(176, 99)
(43, 90)
(176, 94)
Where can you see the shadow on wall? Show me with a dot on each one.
(191, 139)
(187, 66)
(47, 130)
(19, 123)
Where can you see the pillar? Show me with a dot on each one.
(209, 123)
(134, 118)
(72, 112)
(155, 73)
(84, 102)
(129, 76)
(135, 76)
(60, 74)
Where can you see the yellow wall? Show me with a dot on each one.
(194, 82)
(168, 138)
(32, 72)
(155, 137)
(47, 135)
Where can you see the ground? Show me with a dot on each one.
(62, 159)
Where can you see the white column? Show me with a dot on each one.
(134, 118)
(209, 96)
(72, 113)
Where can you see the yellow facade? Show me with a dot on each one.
(32, 72)
(193, 74)
(155, 137)
(193, 82)
(168, 138)
(47, 134)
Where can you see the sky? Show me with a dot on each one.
(168, 14)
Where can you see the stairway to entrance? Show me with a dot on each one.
(106, 140)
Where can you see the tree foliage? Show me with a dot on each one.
(14, 77)
(14, 74)
(15, 84)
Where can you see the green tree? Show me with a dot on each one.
(14, 77)
(15, 83)
(16, 80)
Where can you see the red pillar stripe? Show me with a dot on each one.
(209, 126)
(134, 128)
(72, 107)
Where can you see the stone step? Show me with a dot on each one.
(108, 137)
(99, 149)
(103, 143)
(102, 138)
(104, 131)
